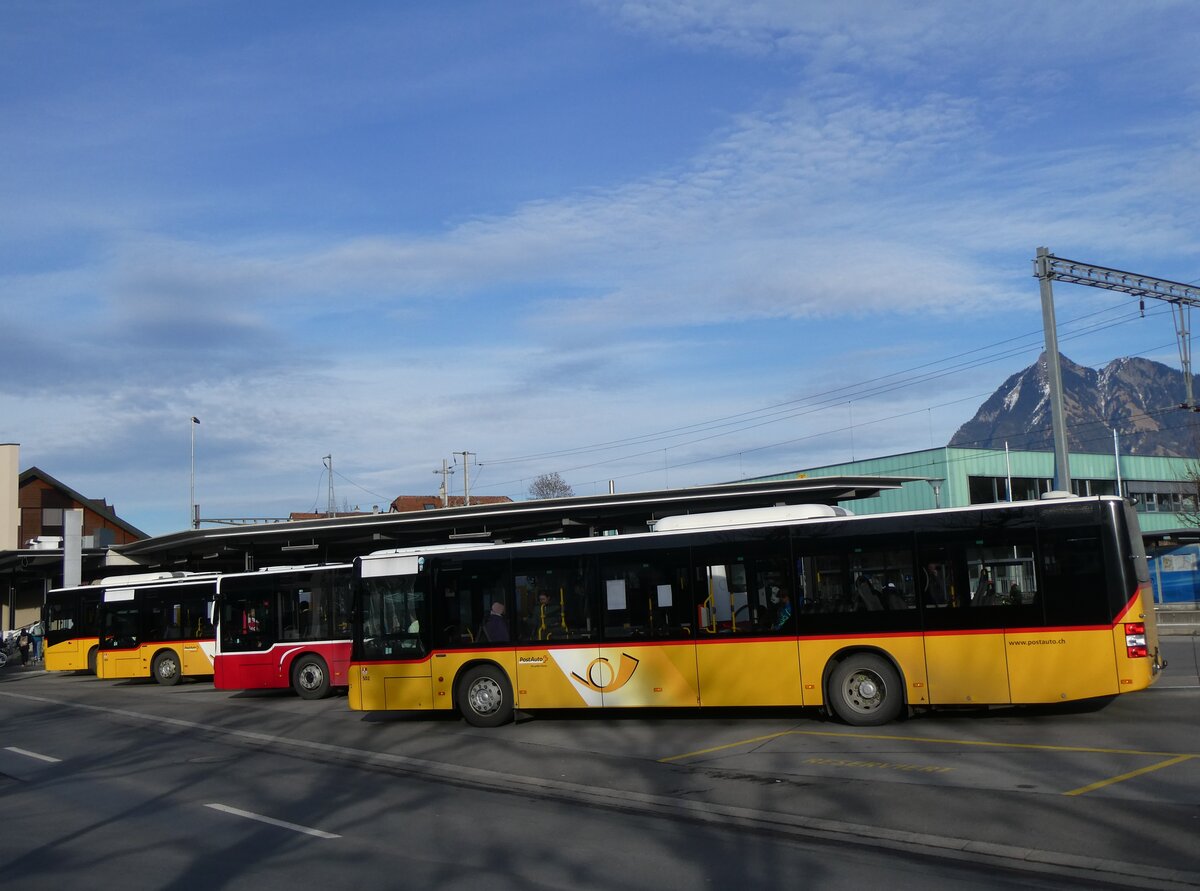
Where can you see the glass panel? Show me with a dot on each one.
(120, 627)
(555, 599)
(646, 595)
(746, 587)
(472, 601)
(883, 580)
(984, 489)
(941, 584)
(393, 607)
(1001, 575)
(1074, 581)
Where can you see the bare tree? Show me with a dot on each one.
(549, 485)
(1190, 510)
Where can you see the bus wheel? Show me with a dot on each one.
(165, 669)
(91, 669)
(864, 690)
(310, 678)
(485, 697)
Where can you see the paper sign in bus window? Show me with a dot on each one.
(664, 596)
(616, 593)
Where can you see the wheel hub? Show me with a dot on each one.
(485, 696)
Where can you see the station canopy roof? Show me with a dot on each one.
(341, 539)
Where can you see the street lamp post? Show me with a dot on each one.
(935, 483)
(193, 514)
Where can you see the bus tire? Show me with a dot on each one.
(865, 691)
(310, 677)
(165, 668)
(485, 697)
(93, 655)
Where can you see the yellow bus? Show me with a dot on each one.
(156, 626)
(70, 617)
(863, 616)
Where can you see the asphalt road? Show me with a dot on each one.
(150, 787)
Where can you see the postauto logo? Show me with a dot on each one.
(600, 676)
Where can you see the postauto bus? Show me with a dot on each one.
(865, 617)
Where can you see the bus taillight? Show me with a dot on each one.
(1135, 640)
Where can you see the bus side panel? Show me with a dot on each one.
(967, 668)
(558, 678)
(1060, 664)
(337, 656)
(749, 672)
(119, 664)
(630, 675)
(907, 651)
(246, 671)
(659, 675)
(70, 655)
(196, 660)
(379, 686)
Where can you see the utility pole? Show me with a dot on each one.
(444, 488)
(332, 508)
(1058, 424)
(1182, 297)
(466, 477)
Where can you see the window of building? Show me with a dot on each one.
(990, 489)
(1161, 496)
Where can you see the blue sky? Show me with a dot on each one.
(660, 243)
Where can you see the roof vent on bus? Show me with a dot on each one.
(1058, 494)
(140, 578)
(750, 517)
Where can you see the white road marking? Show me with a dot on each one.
(237, 812)
(29, 754)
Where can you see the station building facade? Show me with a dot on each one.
(1164, 490)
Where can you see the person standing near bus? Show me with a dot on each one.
(23, 641)
(37, 634)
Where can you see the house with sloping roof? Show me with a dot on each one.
(404, 503)
(32, 508)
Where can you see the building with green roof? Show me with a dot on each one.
(1164, 492)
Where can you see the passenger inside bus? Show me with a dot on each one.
(785, 619)
(868, 598)
(495, 627)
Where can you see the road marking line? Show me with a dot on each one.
(1083, 790)
(237, 812)
(732, 745)
(29, 754)
(926, 739)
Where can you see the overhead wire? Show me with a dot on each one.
(786, 411)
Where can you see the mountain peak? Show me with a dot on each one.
(1137, 397)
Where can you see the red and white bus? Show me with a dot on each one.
(286, 626)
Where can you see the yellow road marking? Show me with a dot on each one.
(1095, 750)
(1126, 776)
(732, 745)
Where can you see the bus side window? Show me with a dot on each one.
(465, 591)
(553, 600)
(393, 617)
(1075, 585)
(646, 595)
